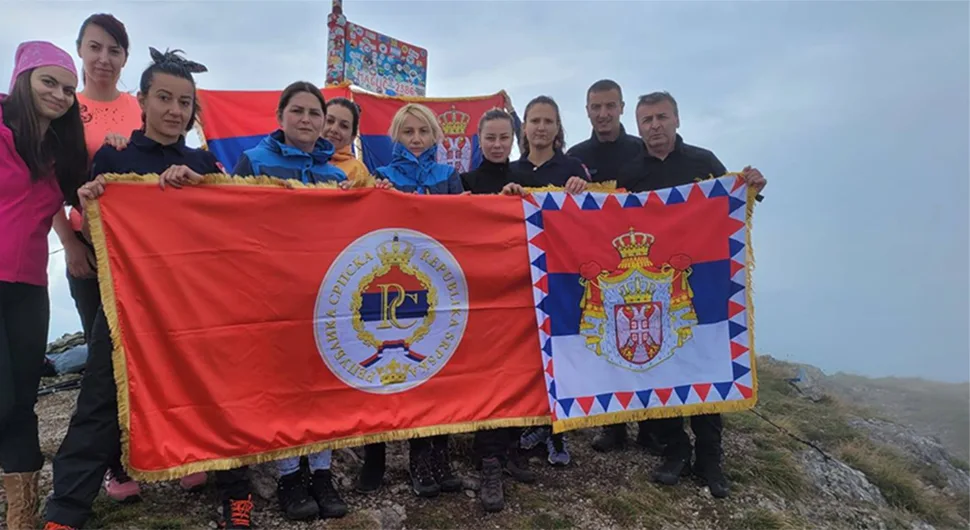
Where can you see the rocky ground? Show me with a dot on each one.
(863, 472)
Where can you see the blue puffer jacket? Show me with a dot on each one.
(274, 158)
(420, 174)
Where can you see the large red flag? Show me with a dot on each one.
(253, 322)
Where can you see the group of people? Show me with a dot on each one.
(57, 142)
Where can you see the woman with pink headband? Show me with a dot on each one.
(42, 163)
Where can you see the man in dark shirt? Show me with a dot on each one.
(609, 146)
(667, 161)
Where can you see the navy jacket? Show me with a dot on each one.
(488, 177)
(420, 174)
(143, 156)
(273, 158)
(554, 172)
(605, 159)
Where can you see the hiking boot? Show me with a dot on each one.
(237, 513)
(23, 499)
(649, 441)
(533, 436)
(610, 437)
(120, 487)
(517, 466)
(294, 497)
(443, 474)
(556, 447)
(421, 467)
(194, 482)
(709, 473)
(372, 472)
(493, 499)
(329, 501)
(671, 470)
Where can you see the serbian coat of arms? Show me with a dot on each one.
(638, 315)
(456, 148)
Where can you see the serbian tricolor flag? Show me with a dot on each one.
(643, 302)
(372, 316)
(458, 118)
(232, 121)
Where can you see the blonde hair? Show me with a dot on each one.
(420, 112)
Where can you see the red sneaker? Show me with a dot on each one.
(51, 525)
(237, 513)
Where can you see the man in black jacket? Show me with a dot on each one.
(609, 146)
(667, 161)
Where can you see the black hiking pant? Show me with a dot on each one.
(87, 299)
(93, 440)
(707, 432)
(495, 443)
(24, 319)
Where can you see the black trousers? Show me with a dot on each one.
(93, 440)
(87, 299)
(375, 452)
(646, 428)
(24, 319)
(707, 431)
(495, 443)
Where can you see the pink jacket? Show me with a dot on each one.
(27, 209)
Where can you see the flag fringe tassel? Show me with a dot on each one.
(692, 409)
(93, 212)
(303, 450)
(653, 413)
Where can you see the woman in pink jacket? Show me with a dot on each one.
(42, 163)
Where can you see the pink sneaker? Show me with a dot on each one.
(193, 482)
(120, 487)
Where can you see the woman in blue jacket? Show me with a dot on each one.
(296, 151)
(413, 169)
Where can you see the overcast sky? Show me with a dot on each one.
(857, 113)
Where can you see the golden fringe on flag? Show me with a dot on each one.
(93, 214)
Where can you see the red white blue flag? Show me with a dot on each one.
(643, 301)
(233, 121)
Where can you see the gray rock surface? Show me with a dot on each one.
(837, 480)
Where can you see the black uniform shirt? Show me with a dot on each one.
(604, 159)
(684, 165)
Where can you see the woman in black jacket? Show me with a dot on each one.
(497, 448)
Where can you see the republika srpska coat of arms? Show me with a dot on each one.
(638, 315)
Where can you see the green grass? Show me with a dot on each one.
(893, 474)
(960, 464)
(547, 521)
(770, 469)
(824, 422)
(759, 519)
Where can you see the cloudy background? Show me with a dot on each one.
(857, 112)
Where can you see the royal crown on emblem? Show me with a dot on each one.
(637, 292)
(395, 251)
(454, 122)
(633, 244)
(393, 373)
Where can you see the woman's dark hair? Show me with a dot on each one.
(559, 141)
(354, 112)
(495, 114)
(111, 25)
(61, 149)
(296, 88)
(171, 63)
